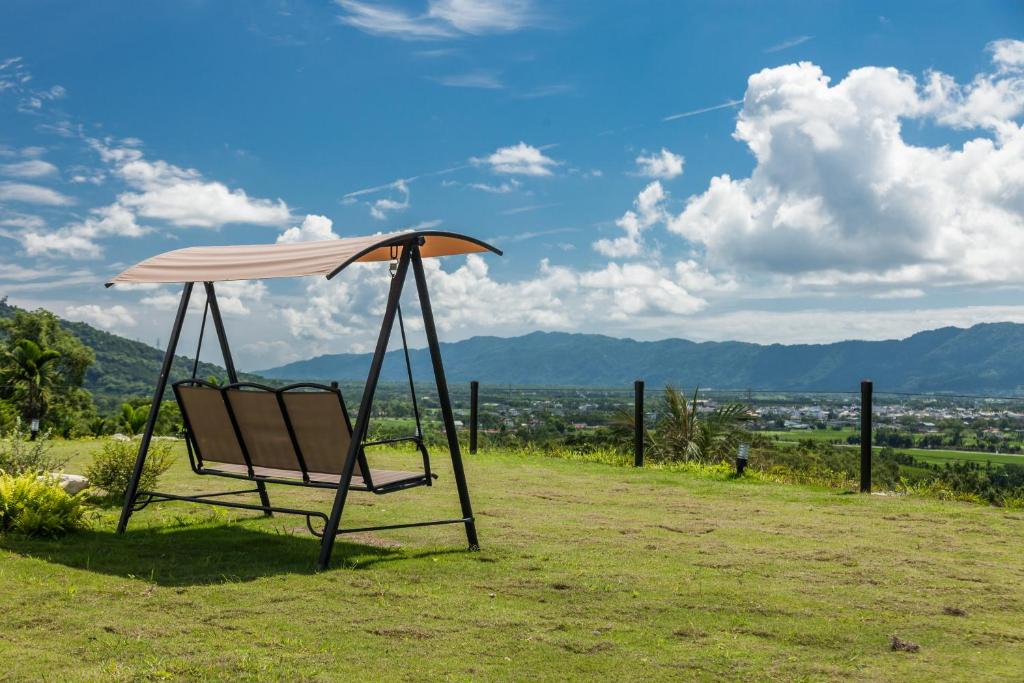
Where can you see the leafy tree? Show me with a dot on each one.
(68, 406)
(30, 371)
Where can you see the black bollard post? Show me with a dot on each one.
(638, 423)
(474, 400)
(866, 387)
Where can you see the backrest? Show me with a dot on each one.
(262, 427)
(247, 423)
(321, 426)
(208, 422)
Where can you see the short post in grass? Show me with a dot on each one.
(741, 458)
(474, 414)
(866, 387)
(638, 423)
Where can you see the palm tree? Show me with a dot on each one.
(133, 419)
(684, 433)
(30, 369)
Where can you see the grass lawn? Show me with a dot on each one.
(587, 571)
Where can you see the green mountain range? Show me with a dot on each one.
(986, 358)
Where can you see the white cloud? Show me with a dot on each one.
(469, 301)
(79, 240)
(103, 317)
(486, 80)
(504, 188)
(313, 228)
(826, 325)
(380, 208)
(1007, 54)
(31, 168)
(663, 164)
(234, 297)
(392, 22)
(647, 210)
(32, 194)
(478, 17)
(182, 197)
(788, 43)
(156, 190)
(520, 159)
(837, 192)
(442, 18)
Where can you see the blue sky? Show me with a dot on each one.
(774, 172)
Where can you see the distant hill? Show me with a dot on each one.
(986, 358)
(125, 368)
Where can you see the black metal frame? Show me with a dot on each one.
(410, 255)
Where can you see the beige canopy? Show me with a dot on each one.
(259, 261)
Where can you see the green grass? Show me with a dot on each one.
(938, 456)
(587, 571)
(839, 437)
(826, 435)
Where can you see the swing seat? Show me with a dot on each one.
(297, 435)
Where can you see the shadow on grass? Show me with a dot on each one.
(196, 555)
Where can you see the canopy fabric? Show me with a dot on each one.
(296, 259)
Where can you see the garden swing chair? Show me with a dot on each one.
(301, 434)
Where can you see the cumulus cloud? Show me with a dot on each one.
(555, 297)
(837, 192)
(313, 228)
(520, 159)
(78, 239)
(157, 190)
(664, 165)
(104, 317)
(32, 194)
(182, 197)
(647, 211)
(442, 18)
(235, 297)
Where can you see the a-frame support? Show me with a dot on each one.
(154, 409)
(410, 253)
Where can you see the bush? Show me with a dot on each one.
(19, 455)
(36, 505)
(112, 466)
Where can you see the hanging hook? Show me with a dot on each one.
(394, 260)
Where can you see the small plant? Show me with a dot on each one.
(35, 505)
(19, 454)
(112, 466)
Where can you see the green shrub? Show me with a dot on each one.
(19, 455)
(112, 466)
(36, 505)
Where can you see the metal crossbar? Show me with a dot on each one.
(209, 499)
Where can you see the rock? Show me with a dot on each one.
(72, 483)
